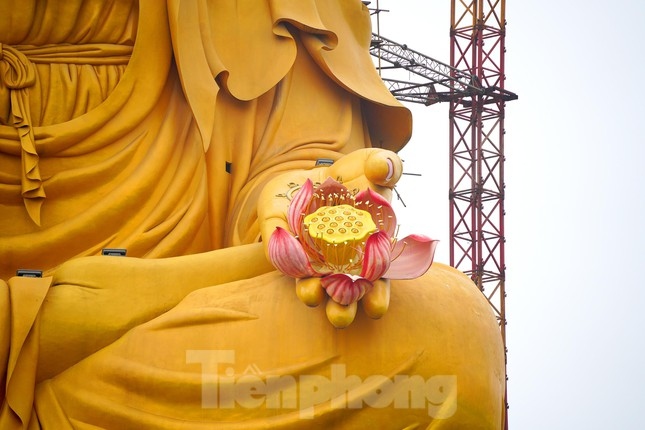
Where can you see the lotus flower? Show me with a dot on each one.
(347, 241)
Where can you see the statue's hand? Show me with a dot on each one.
(376, 169)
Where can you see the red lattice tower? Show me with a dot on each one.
(477, 35)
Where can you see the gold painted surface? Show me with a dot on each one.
(155, 126)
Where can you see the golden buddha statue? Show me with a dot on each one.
(181, 131)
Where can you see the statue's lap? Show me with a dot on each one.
(249, 354)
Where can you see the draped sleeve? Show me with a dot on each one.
(20, 303)
(248, 47)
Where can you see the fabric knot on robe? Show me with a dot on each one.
(17, 73)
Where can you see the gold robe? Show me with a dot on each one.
(152, 128)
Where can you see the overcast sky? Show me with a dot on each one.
(575, 202)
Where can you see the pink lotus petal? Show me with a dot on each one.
(379, 208)
(288, 256)
(411, 257)
(298, 206)
(330, 193)
(331, 186)
(344, 289)
(376, 259)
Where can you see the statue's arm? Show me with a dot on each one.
(94, 300)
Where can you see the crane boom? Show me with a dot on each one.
(430, 73)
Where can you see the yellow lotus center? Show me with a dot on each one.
(340, 233)
(339, 224)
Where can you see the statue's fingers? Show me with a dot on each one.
(350, 167)
(340, 316)
(383, 168)
(310, 291)
(377, 301)
(374, 168)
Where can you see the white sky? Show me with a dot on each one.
(575, 202)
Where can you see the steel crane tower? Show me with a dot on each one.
(473, 84)
(477, 44)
